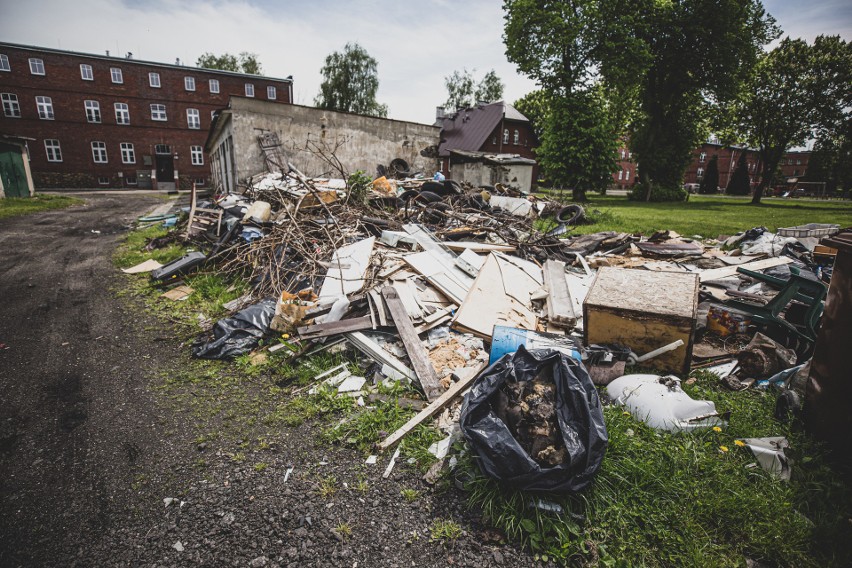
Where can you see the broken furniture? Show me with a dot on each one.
(643, 310)
(201, 219)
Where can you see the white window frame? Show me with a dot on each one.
(11, 105)
(99, 153)
(189, 83)
(93, 111)
(36, 66)
(122, 113)
(128, 153)
(116, 75)
(196, 154)
(516, 139)
(271, 93)
(154, 80)
(214, 85)
(506, 136)
(702, 156)
(626, 175)
(623, 154)
(699, 173)
(4, 62)
(249, 89)
(193, 119)
(129, 177)
(53, 151)
(44, 106)
(158, 112)
(620, 175)
(86, 72)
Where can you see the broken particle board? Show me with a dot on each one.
(560, 307)
(718, 273)
(178, 293)
(478, 247)
(348, 266)
(143, 267)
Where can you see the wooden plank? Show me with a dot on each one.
(436, 406)
(416, 352)
(333, 328)
(375, 351)
(560, 307)
(724, 272)
(478, 247)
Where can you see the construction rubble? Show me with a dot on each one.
(434, 281)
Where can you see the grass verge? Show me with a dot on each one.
(14, 206)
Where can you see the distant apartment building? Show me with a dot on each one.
(117, 122)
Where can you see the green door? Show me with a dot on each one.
(12, 171)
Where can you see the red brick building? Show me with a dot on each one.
(101, 121)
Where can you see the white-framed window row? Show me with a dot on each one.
(45, 108)
(517, 138)
(36, 66)
(154, 80)
(99, 152)
(128, 154)
(214, 85)
(116, 75)
(4, 62)
(86, 72)
(11, 107)
(53, 150)
(93, 111)
(158, 112)
(193, 119)
(196, 155)
(189, 83)
(122, 113)
(249, 90)
(271, 93)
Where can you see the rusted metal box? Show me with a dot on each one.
(644, 310)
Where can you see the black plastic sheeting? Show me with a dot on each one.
(579, 416)
(238, 334)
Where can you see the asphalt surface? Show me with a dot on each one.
(74, 413)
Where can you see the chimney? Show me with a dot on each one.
(129, 55)
(439, 115)
(107, 52)
(177, 61)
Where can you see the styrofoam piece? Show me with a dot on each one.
(351, 384)
(660, 403)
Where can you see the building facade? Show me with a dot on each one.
(113, 122)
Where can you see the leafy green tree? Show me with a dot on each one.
(710, 181)
(350, 82)
(464, 92)
(535, 106)
(831, 161)
(797, 91)
(740, 182)
(490, 88)
(245, 62)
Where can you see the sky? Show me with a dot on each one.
(417, 43)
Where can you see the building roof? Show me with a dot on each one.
(491, 158)
(125, 60)
(468, 129)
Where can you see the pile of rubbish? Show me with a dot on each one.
(436, 280)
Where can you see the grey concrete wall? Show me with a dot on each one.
(359, 142)
(478, 173)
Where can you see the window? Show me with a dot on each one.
(162, 149)
(214, 85)
(93, 111)
(158, 112)
(122, 113)
(154, 80)
(189, 83)
(116, 75)
(798, 162)
(620, 175)
(196, 155)
(36, 66)
(99, 153)
(193, 120)
(623, 154)
(45, 108)
(54, 152)
(506, 136)
(4, 62)
(249, 90)
(271, 93)
(494, 140)
(629, 155)
(702, 156)
(103, 180)
(86, 72)
(213, 114)
(200, 181)
(10, 105)
(626, 175)
(130, 179)
(128, 154)
(517, 139)
(796, 172)
(700, 173)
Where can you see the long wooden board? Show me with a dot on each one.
(725, 271)
(560, 307)
(333, 328)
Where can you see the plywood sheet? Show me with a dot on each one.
(348, 266)
(642, 291)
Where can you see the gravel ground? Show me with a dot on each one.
(96, 470)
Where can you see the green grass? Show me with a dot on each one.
(445, 530)
(14, 206)
(663, 499)
(709, 216)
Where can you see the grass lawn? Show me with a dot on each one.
(709, 216)
(13, 206)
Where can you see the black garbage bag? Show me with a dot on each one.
(578, 415)
(237, 334)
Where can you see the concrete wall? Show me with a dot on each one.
(359, 142)
(519, 176)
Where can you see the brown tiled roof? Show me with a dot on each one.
(468, 129)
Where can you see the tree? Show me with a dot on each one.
(350, 82)
(831, 161)
(797, 91)
(244, 63)
(463, 92)
(535, 106)
(740, 182)
(710, 181)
